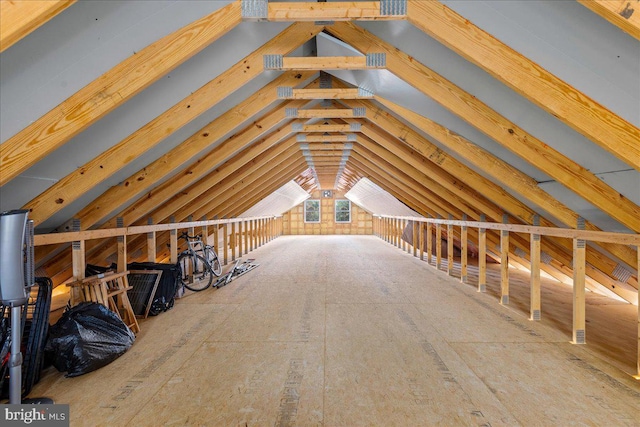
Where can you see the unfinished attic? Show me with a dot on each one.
(436, 205)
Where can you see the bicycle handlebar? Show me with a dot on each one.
(185, 235)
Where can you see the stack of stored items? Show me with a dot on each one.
(110, 290)
(35, 326)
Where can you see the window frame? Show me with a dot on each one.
(336, 211)
(317, 201)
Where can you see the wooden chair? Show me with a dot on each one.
(110, 290)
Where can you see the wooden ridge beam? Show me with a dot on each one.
(500, 170)
(624, 14)
(68, 189)
(575, 109)
(318, 63)
(322, 93)
(19, 18)
(329, 11)
(469, 108)
(111, 90)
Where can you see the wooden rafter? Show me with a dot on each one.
(403, 186)
(290, 166)
(523, 144)
(624, 14)
(140, 181)
(441, 204)
(68, 189)
(160, 198)
(504, 173)
(225, 188)
(219, 180)
(177, 205)
(575, 109)
(487, 188)
(420, 170)
(248, 181)
(139, 243)
(419, 199)
(152, 173)
(282, 178)
(111, 90)
(19, 18)
(559, 249)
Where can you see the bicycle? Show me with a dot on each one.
(198, 264)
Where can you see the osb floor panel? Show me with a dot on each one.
(351, 331)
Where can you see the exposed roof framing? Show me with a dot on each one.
(527, 78)
(497, 127)
(330, 131)
(621, 13)
(112, 89)
(19, 18)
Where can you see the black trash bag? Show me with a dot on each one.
(87, 337)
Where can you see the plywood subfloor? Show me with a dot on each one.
(350, 331)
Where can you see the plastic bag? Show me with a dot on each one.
(87, 337)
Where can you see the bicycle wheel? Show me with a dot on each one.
(213, 260)
(195, 272)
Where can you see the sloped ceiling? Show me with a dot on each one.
(169, 109)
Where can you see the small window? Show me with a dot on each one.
(312, 211)
(343, 211)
